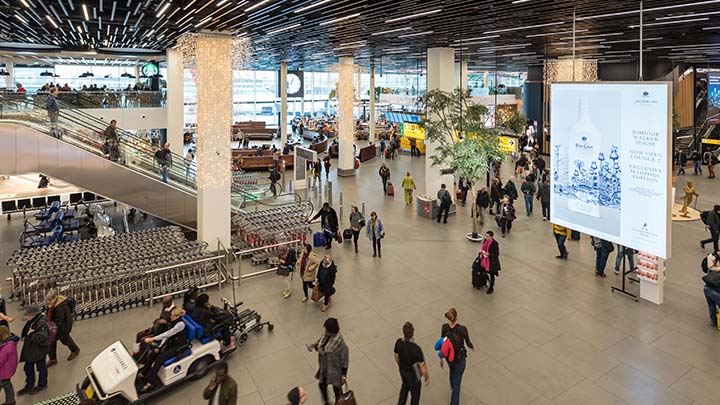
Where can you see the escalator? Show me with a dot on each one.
(29, 143)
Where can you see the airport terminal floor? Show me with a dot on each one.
(552, 333)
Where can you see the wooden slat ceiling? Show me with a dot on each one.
(310, 34)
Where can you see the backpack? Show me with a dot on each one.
(457, 345)
(446, 198)
(52, 333)
(73, 304)
(704, 263)
(712, 280)
(704, 216)
(158, 155)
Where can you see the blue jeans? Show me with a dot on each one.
(601, 258)
(713, 300)
(698, 167)
(560, 239)
(528, 204)
(456, 374)
(29, 369)
(164, 172)
(619, 257)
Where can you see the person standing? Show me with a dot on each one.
(8, 363)
(356, 223)
(711, 290)
(327, 164)
(384, 173)
(528, 190)
(408, 185)
(20, 88)
(317, 173)
(382, 149)
(627, 252)
(495, 195)
(276, 154)
(413, 148)
(165, 161)
(309, 263)
(60, 312)
(561, 234)
(697, 162)
(681, 160)
(333, 360)
(222, 389)
(326, 280)
(329, 219)
(464, 187)
(52, 106)
(288, 259)
(713, 225)
(445, 202)
(507, 215)
(482, 201)
(112, 141)
(274, 177)
(35, 335)
(459, 337)
(490, 259)
(411, 364)
(543, 195)
(711, 160)
(603, 249)
(375, 232)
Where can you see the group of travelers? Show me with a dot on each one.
(707, 158)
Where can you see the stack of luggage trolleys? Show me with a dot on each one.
(107, 275)
(270, 227)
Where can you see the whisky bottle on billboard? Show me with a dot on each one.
(583, 172)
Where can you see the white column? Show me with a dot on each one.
(137, 73)
(372, 104)
(214, 115)
(175, 101)
(346, 97)
(283, 103)
(461, 75)
(440, 75)
(10, 80)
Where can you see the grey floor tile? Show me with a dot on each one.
(636, 388)
(493, 384)
(587, 360)
(591, 330)
(697, 353)
(587, 393)
(698, 385)
(540, 370)
(658, 365)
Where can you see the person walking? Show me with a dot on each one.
(384, 173)
(309, 263)
(459, 337)
(165, 158)
(495, 195)
(697, 162)
(329, 220)
(327, 164)
(506, 215)
(326, 280)
(528, 189)
(490, 259)
(375, 232)
(356, 223)
(627, 252)
(543, 195)
(288, 260)
(511, 190)
(561, 234)
(297, 396)
(464, 187)
(317, 173)
(382, 149)
(35, 335)
(681, 160)
(333, 360)
(710, 161)
(445, 202)
(712, 223)
(603, 249)
(8, 363)
(222, 389)
(411, 364)
(482, 201)
(711, 289)
(274, 177)
(408, 185)
(538, 165)
(413, 148)
(60, 312)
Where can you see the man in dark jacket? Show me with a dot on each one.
(329, 220)
(35, 334)
(112, 141)
(528, 190)
(222, 389)
(445, 202)
(165, 161)
(482, 201)
(543, 195)
(496, 194)
(60, 312)
(51, 105)
(713, 225)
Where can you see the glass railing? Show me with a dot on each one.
(106, 98)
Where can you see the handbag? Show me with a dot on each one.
(316, 295)
(347, 398)
(338, 237)
(283, 270)
(362, 222)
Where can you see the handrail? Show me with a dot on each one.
(207, 259)
(219, 283)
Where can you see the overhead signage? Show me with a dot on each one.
(610, 167)
(508, 144)
(711, 141)
(149, 69)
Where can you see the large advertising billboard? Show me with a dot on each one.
(713, 105)
(610, 167)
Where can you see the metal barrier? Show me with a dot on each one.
(185, 275)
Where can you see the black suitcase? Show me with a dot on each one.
(574, 235)
(347, 234)
(479, 278)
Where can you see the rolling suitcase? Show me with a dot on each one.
(347, 234)
(390, 189)
(319, 239)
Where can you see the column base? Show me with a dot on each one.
(346, 172)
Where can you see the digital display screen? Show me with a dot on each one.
(713, 104)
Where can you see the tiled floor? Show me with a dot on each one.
(551, 334)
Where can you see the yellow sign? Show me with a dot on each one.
(508, 144)
(416, 131)
(711, 141)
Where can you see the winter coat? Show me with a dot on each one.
(8, 357)
(482, 200)
(495, 192)
(61, 314)
(507, 212)
(228, 393)
(326, 278)
(384, 172)
(31, 350)
(379, 229)
(511, 190)
(334, 364)
(528, 188)
(494, 255)
(355, 218)
(311, 266)
(328, 219)
(544, 193)
(408, 183)
(51, 104)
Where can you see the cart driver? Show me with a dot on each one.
(169, 344)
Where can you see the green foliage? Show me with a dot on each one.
(510, 118)
(675, 120)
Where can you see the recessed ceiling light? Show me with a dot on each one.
(391, 31)
(347, 17)
(407, 17)
(670, 22)
(203, 22)
(520, 1)
(416, 34)
(527, 27)
(87, 17)
(51, 21)
(162, 10)
(319, 3)
(187, 6)
(699, 3)
(289, 27)
(256, 5)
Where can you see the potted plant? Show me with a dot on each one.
(465, 146)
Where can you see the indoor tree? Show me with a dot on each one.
(511, 119)
(464, 145)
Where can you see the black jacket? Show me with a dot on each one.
(494, 254)
(62, 315)
(544, 192)
(31, 350)
(495, 191)
(326, 278)
(332, 219)
(203, 316)
(482, 200)
(511, 190)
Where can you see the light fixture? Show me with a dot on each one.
(698, 3)
(347, 17)
(203, 22)
(417, 34)
(22, 20)
(633, 40)
(51, 21)
(162, 10)
(128, 75)
(256, 5)
(465, 40)
(46, 74)
(670, 22)
(520, 1)
(85, 12)
(391, 31)
(527, 27)
(407, 17)
(319, 3)
(3, 72)
(554, 33)
(279, 30)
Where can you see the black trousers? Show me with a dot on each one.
(385, 180)
(323, 391)
(713, 238)
(355, 236)
(443, 208)
(376, 245)
(413, 388)
(65, 339)
(306, 285)
(545, 209)
(152, 376)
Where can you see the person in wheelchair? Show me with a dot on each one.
(159, 325)
(164, 346)
(214, 320)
